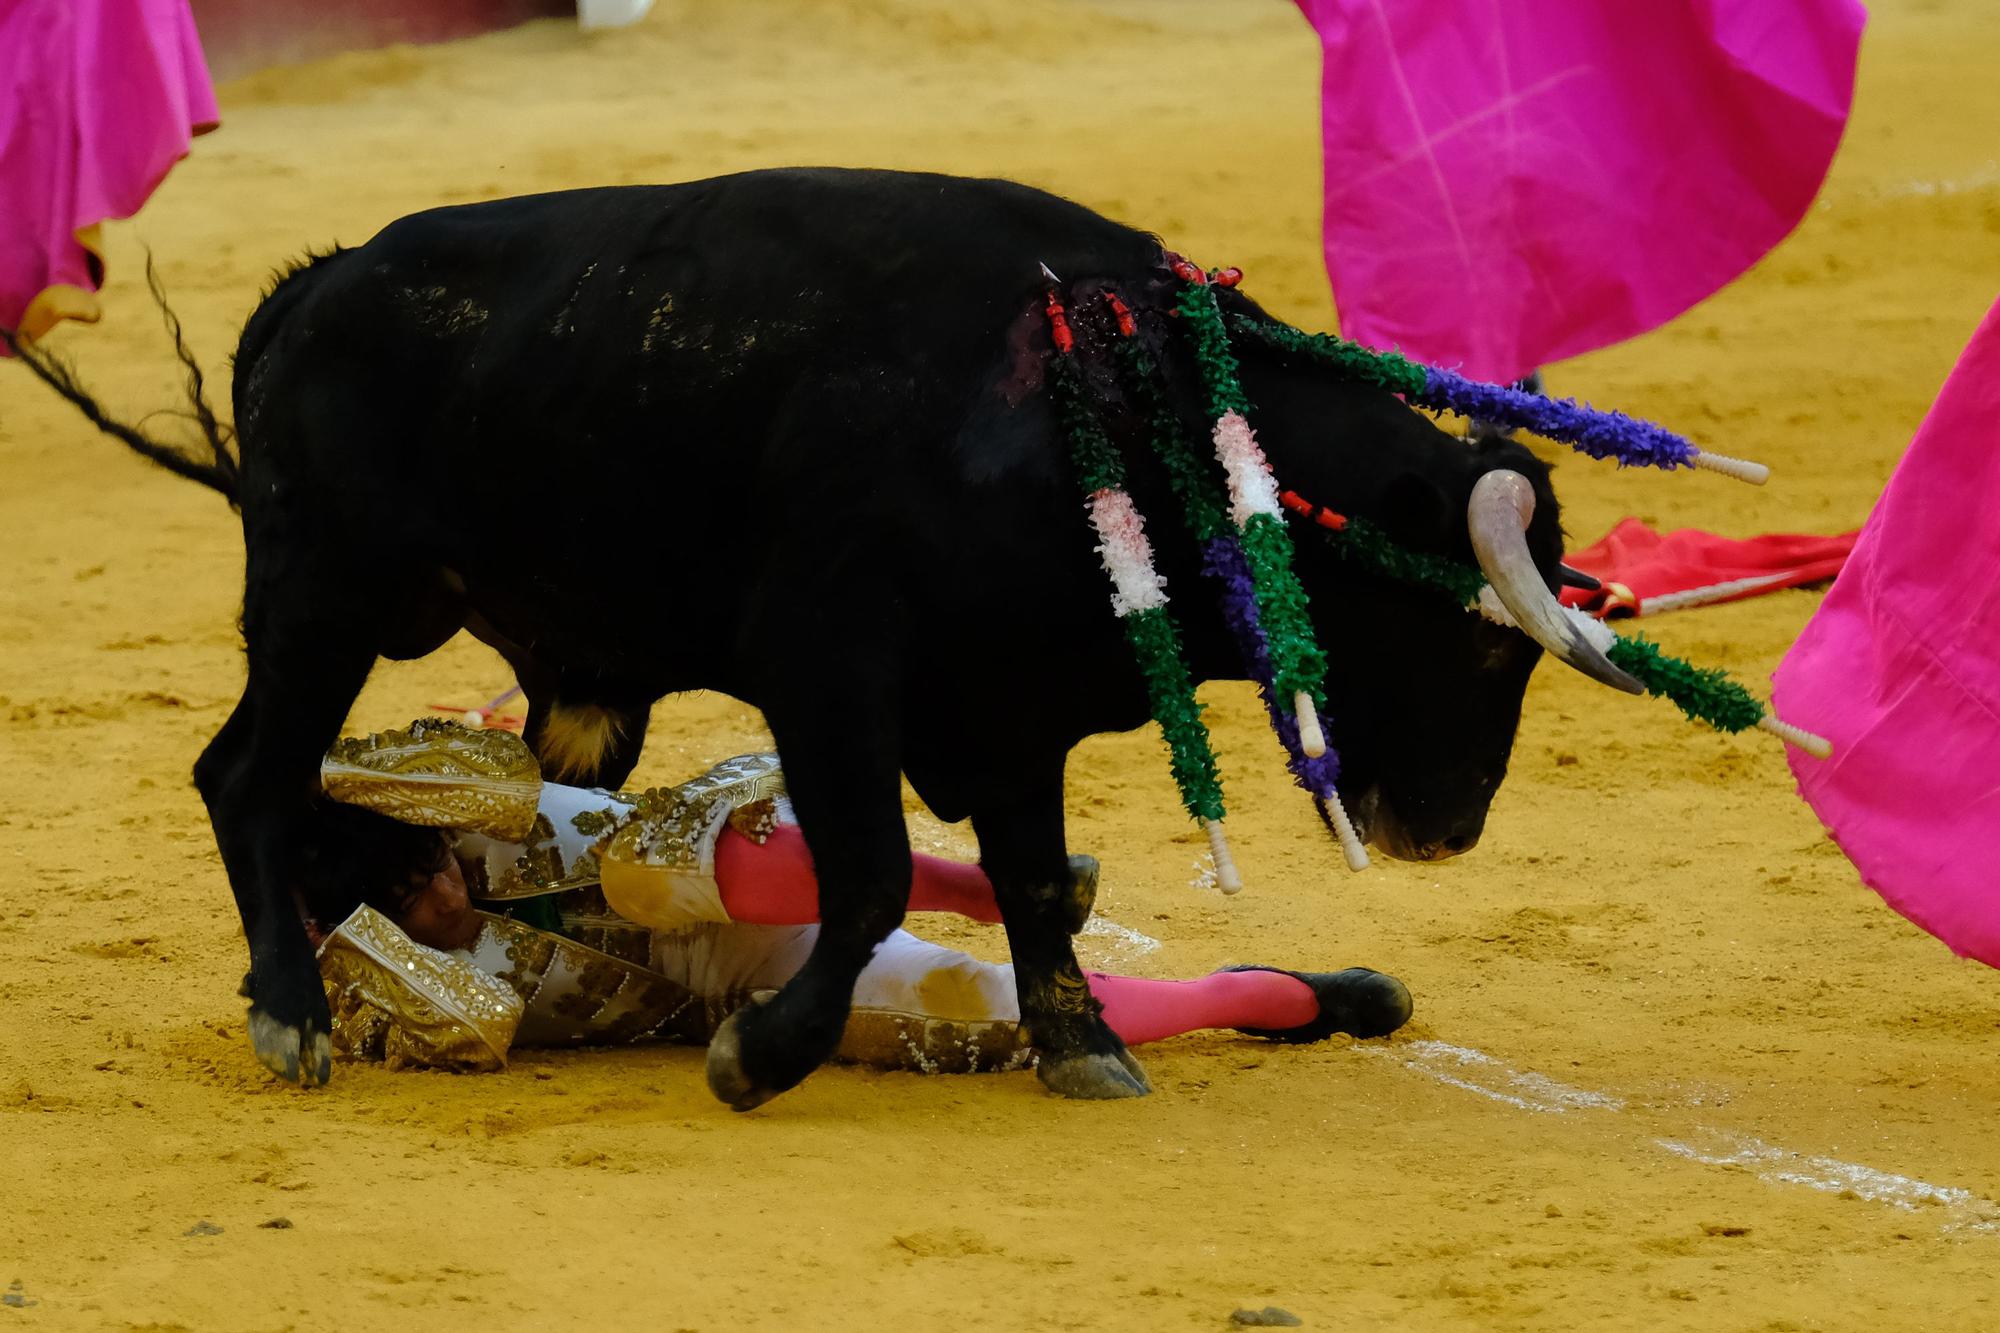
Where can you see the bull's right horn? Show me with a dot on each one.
(1497, 516)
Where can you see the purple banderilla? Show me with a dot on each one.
(1589, 430)
(1223, 560)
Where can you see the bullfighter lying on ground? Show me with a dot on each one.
(565, 916)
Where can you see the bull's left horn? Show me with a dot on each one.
(1502, 504)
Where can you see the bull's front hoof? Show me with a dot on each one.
(289, 1022)
(300, 1053)
(1082, 898)
(1095, 1078)
(727, 1078)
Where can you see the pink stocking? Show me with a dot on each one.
(1140, 1010)
(772, 884)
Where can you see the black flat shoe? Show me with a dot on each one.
(1358, 1001)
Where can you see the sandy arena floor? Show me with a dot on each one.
(1673, 1066)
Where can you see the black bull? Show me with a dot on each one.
(784, 435)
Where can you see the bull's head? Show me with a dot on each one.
(1424, 696)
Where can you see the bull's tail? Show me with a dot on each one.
(221, 471)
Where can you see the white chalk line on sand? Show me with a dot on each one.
(1136, 940)
(1981, 178)
(1462, 1067)
(1486, 1076)
(1828, 1175)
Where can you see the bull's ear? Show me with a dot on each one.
(1416, 512)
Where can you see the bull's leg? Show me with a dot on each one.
(843, 773)
(260, 780)
(1021, 849)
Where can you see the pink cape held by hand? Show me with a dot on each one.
(98, 98)
(1900, 669)
(1512, 182)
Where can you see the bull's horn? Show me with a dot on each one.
(1502, 504)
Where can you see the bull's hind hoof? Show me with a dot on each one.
(299, 1053)
(1082, 898)
(727, 1078)
(1358, 1001)
(1097, 1078)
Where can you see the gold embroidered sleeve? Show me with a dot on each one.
(575, 995)
(440, 774)
(673, 828)
(657, 868)
(396, 1001)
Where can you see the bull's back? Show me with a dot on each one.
(633, 374)
(584, 317)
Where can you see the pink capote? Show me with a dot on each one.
(1900, 669)
(98, 98)
(1511, 182)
